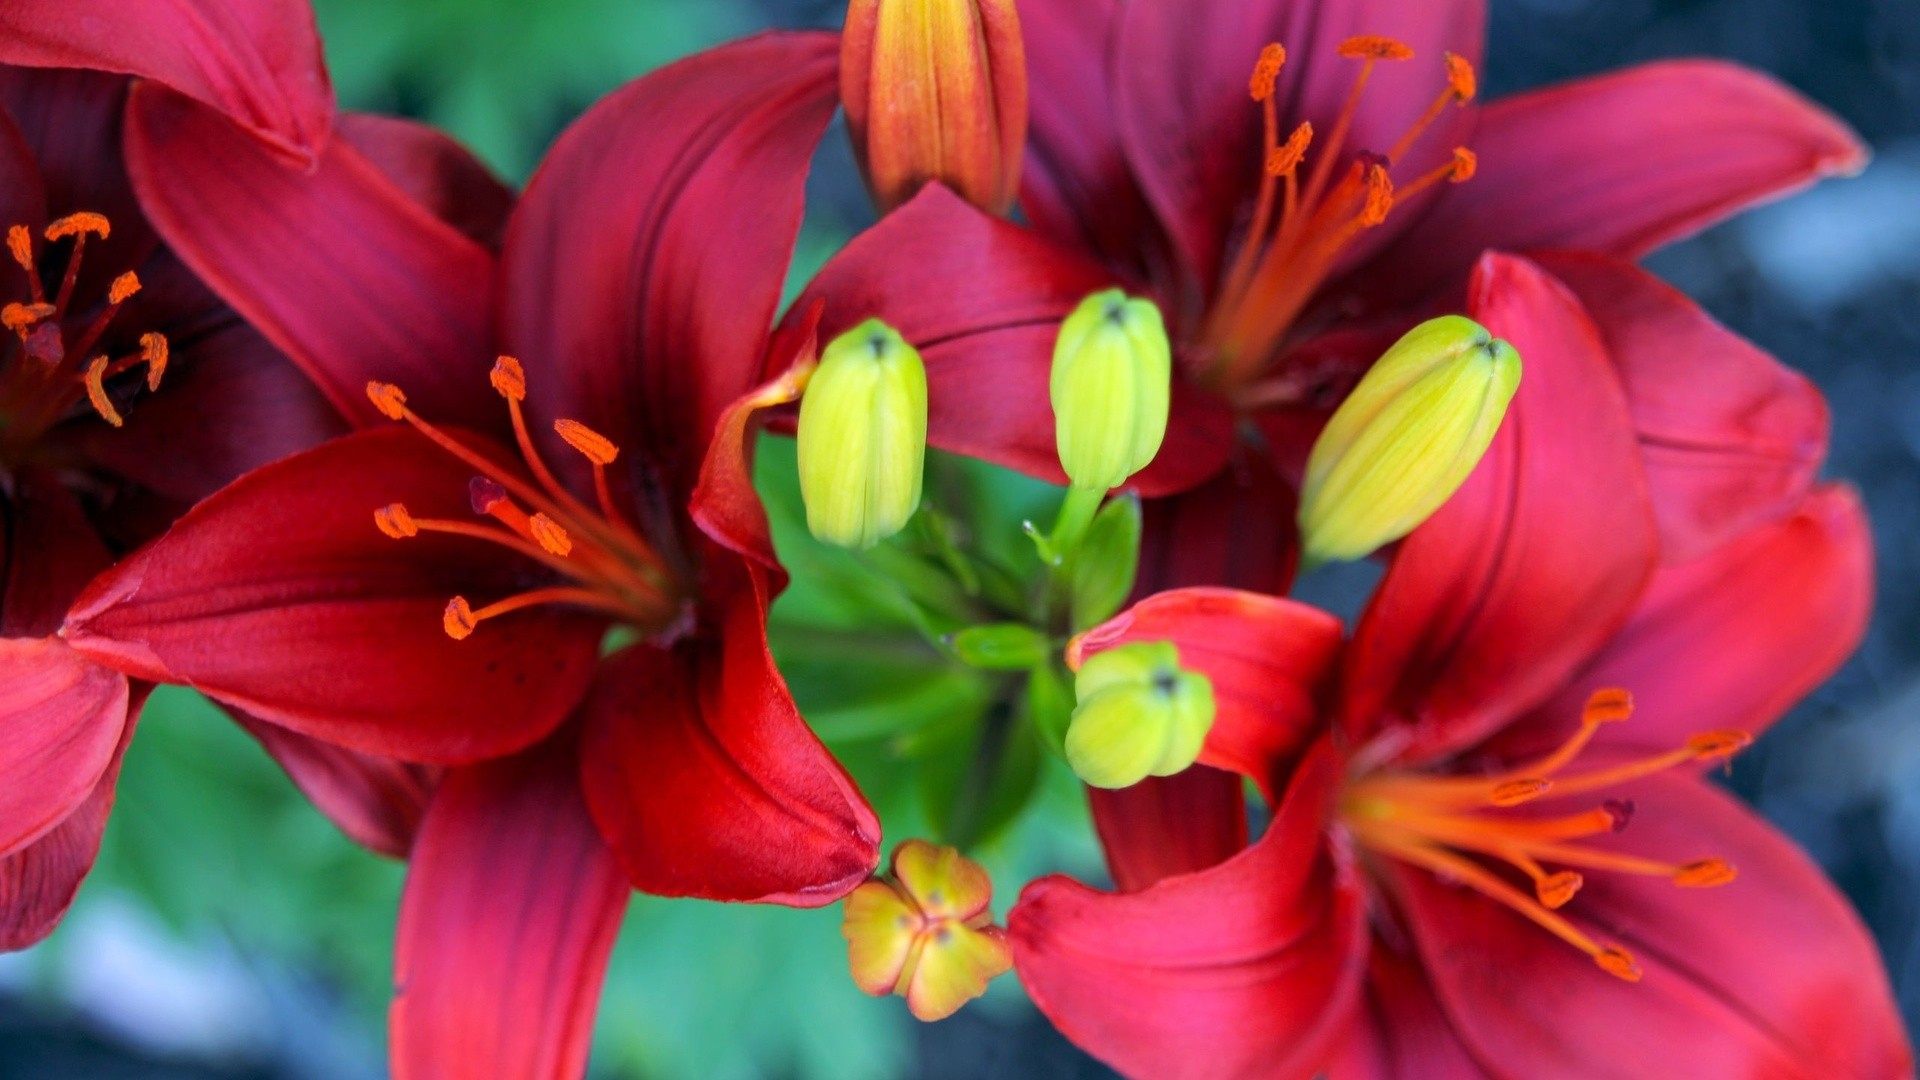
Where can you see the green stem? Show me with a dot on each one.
(1076, 514)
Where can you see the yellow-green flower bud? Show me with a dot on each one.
(863, 437)
(1139, 715)
(1406, 439)
(1112, 375)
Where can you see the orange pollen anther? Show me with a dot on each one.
(1286, 159)
(1266, 72)
(20, 243)
(1465, 164)
(1461, 78)
(123, 288)
(19, 318)
(79, 224)
(1379, 197)
(458, 620)
(394, 520)
(388, 398)
(1452, 826)
(153, 350)
(592, 445)
(1370, 47)
(95, 381)
(550, 535)
(509, 378)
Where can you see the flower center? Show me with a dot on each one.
(1450, 824)
(606, 564)
(52, 370)
(1301, 225)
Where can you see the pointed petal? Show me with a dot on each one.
(256, 61)
(707, 782)
(1772, 975)
(49, 552)
(1731, 436)
(60, 719)
(1732, 640)
(644, 265)
(338, 267)
(279, 596)
(378, 802)
(1515, 583)
(1247, 969)
(1622, 163)
(511, 908)
(1169, 825)
(435, 171)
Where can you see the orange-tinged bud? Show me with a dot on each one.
(925, 931)
(936, 90)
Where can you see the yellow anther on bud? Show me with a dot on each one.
(95, 381)
(458, 620)
(394, 520)
(1112, 377)
(153, 351)
(123, 288)
(936, 90)
(549, 534)
(20, 244)
(77, 224)
(863, 437)
(1266, 71)
(388, 399)
(592, 445)
(1367, 47)
(509, 378)
(1407, 438)
(925, 931)
(1139, 715)
(1461, 78)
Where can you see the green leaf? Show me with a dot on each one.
(1001, 646)
(1103, 569)
(1050, 704)
(978, 775)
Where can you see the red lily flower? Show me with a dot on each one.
(127, 389)
(638, 279)
(1477, 864)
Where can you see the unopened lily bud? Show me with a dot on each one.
(1139, 715)
(936, 90)
(1112, 377)
(1407, 438)
(863, 437)
(925, 931)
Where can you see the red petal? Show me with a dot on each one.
(1268, 660)
(280, 597)
(1248, 969)
(1731, 436)
(435, 171)
(1400, 1032)
(257, 61)
(350, 277)
(49, 552)
(23, 195)
(511, 908)
(1515, 583)
(1622, 163)
(1192, 134)
(60, 719)
(1732, 640)
(1235, 530)
(707, 782)
(378, 802)
(1772, 975)
(1169, 825)
(644, 265)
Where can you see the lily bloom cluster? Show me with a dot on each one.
(444, 492)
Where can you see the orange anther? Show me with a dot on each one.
(1461, 78)
(594, 446)
(95, 380)
(1465, 164)
(1515, 792)
(1367, 47)
(20, 243)
(388, 399)
(1705, 874)
(153, 350)
(1266, 72)
(123, 287)
(20, 317)
(550, 536)
(458, 620)
(1555, 890)
(509, 378)
(1605, 706)
(85, 221)
(394, 520)
(1709, 745)
(1618, 962)
(1379, 197)
(1287, 156)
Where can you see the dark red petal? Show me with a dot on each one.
(1235, 530)
(1772, 975)
(60, 719)
(1247, 969)
(644, 265)
(350, 277)
(23, 194)
(1192, 133)
(1514, 584)
(987, 334)
(38, 882)
(49, 552)
(510, 911)
(1731, 436)
(1399, 1031)
(435, 171)
(707, 782)
(1732, 640)
(1169, 825)
(1268, 660)
(1622, 163)
(378, 802)
(279, 596)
